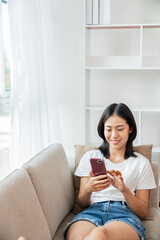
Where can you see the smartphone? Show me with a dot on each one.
(98, 166)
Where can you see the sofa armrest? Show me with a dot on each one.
(52, 179)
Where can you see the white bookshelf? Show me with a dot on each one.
(122, 64)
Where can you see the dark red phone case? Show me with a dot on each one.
(98, 166)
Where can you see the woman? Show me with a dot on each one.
(113, 203)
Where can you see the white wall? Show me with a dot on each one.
(69, 38)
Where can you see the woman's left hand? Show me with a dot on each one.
(117, 179)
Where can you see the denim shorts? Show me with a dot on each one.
(104, 212)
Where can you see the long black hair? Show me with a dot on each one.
(124, 112)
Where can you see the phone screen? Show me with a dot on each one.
(98, 166)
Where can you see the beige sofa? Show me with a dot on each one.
(36, 200)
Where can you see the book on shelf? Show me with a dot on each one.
(104, 12)
(89, 11)
(97, 12)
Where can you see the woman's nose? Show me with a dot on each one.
(114, 133)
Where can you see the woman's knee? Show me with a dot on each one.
(79, 230)
(74, 237)
(74, 234)
(99, 232)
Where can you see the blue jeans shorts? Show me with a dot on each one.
(104, 212)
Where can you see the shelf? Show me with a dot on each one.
(140, 51)
(132, 109)
(145, 110)
(95, 108)
(122, 68)
(111, 26)
(122, 64)
(156, 149)
(113, 61)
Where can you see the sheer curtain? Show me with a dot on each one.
(34, 101)
(1, 54)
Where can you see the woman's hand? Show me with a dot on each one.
(92, 184)
(98, 183)
(117, 181)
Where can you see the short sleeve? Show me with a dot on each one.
(84, 166)
(146, 177)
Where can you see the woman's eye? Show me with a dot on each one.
(108, 130)
(120, 129)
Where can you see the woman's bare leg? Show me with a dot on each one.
(115, 230)
(79, 230)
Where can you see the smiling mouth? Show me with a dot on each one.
(115, 142)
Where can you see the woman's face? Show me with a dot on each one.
(116, 132)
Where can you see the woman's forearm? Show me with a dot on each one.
(138, 206)
(91, 184)
(84, 198)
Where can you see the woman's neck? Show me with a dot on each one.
(117, 156)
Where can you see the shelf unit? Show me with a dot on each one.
(138, 43)
(122, 64)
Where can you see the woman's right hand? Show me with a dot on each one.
(98, 183)
(92, 184)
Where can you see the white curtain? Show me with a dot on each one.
(34, 102)
(1, 54)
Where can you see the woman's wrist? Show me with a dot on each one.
(88, 192)
(84, 199)
(125, 189)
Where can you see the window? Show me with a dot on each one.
(5, 87)
(5, 51)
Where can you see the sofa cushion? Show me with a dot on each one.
(154, 193)
(59, 233)
(20, 211)
(51, 177)
(80, 150)
(152, 226)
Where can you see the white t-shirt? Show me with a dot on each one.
(136, 172)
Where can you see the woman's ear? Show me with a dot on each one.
(131, 130)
